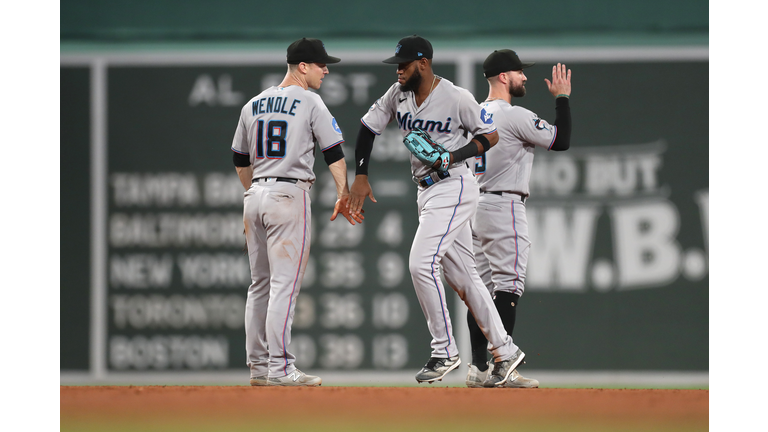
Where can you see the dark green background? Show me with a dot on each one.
(75, 217)
(152, 128)
(239, 20)
(652, 329)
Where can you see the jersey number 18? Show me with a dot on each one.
(274, 139)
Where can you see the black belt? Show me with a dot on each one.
(501, 193)
(433, 178)
(280, 179)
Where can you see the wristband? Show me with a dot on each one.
(562, 95)
(483, 141)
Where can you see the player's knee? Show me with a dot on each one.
(419, 267)
(413, 263)
(506, 298)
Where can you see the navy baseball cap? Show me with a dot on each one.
(411, 48)
(503, 61)
(309, 50)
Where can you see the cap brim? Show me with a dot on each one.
(326, 60)
(397, 60)
(528, 64)
(331, 59)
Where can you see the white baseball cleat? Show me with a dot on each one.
(516, 380)
(296, 378)
(259, 381)
(476, 377)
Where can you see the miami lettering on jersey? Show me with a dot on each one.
(407, 122)
(275, 104)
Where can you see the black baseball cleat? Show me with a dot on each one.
(436, 368)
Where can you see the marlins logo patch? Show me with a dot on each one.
(540, 124)
(486, 117)
(335, 126)
(397, 49)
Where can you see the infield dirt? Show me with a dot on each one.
(241, 408)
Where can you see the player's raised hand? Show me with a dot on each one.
(342, 207)
(359, 190)
(561, 81)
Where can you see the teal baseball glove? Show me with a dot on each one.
(426, 150)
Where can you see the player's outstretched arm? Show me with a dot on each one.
(339, 173)
(360, 187)
(477, 146)
(560, 87)
(359, 190)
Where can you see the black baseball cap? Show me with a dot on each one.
(309, 50)
(411, 48)
(502, 61)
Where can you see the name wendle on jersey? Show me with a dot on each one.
(407, 122)
(275, 104)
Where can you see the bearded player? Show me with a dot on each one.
(447, 200)
(500, 228)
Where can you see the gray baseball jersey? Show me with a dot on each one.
(500, 228)
(277, 129)
(444, 239)
(507, 166)
(450, 115)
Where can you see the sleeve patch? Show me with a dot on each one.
(486, 117)
(335, 126)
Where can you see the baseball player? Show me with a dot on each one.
(447, 200)
(274, 154)
(500, 227)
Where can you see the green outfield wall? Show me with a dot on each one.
(153, 274)
(206, 20)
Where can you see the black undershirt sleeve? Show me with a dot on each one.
(563, 123)
(241, 160)
(470, 150)
(363, 149)
(333, 154)
(466, 152)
